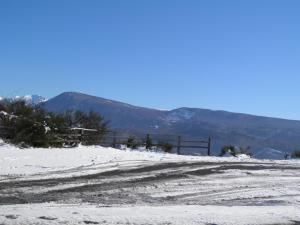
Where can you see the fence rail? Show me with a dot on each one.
(178, 142)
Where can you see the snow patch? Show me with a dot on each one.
(180, 114)
(243, 156)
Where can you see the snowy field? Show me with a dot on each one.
(96, 185)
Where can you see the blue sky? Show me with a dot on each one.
(241, 56)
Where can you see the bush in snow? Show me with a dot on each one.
(166, 147)
(296, 154)
(228, 149)
(235, 151)
(131, 142)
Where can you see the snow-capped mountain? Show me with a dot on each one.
(31, 99)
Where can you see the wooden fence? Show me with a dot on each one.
(149, 141)
(118, 139)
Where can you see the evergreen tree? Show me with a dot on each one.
(32, 126)
(132, 142)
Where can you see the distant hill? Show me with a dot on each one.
(224, 127)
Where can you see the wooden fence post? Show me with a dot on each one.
(81, 135)
(209, 146)
(148, 142)
(114, 140)
(178, 145)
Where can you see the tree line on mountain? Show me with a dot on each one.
(28, 125)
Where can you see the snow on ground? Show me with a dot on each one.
(24, 162)
(179, 215)
(97, 185)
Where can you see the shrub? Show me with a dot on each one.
(296, 154)
(132, 142)
(235, 151)
(166, 147)
(228, 148)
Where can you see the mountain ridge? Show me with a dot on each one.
(224, 127)
(182, 107)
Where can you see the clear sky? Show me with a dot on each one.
(241, 56)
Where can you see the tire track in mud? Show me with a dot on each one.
(145, 168)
